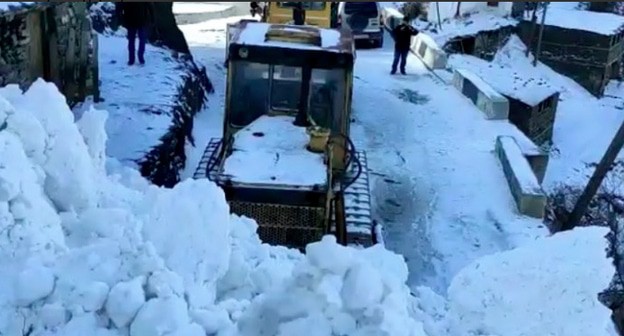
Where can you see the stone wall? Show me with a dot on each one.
(52, 41)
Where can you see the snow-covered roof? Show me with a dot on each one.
(471, 25)
(255, 33)
(517, 80)
(600, 23)
(272, 150)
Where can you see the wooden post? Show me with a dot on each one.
(541, 34)
(595, 181)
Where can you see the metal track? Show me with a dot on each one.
(360, 228)
(207, 160)
(359, 221)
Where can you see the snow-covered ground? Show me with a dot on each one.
(138, 98)
(438, 187)
(110, 256)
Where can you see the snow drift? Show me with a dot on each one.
(88, 247)
(91, 249)
(549, 287)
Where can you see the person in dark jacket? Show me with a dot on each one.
(299, 14)
(254, 8)
(136, 17)
(402, 35)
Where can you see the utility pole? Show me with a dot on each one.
(438, 11)
(541, 34)
(595, 181)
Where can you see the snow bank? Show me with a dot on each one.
(89, 248)
(549, 287)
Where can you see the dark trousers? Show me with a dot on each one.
(400, 55)
(133, 33)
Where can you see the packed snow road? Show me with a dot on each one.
(438, 188)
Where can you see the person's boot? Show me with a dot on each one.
(393, 72)
(131, 62)
(403, 72)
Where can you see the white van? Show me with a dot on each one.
(364, 20)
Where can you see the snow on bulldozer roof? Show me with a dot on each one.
(272, 151)
(293, 37)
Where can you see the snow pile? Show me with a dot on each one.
(86, 253)
(337, 291)
(549, 287)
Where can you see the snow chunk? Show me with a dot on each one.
(124, 301)
(91, 297)
(362, 287)
(160, 317)
(549, 287)
(33, 284)
(329, 256)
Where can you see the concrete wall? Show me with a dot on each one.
(52, 41)
(448, 9)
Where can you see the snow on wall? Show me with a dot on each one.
(447, 10)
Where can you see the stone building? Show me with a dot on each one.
(53, 41)
(585, 46)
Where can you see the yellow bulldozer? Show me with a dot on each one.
(286, 158)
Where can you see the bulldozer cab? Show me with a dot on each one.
(299, 71)
(322, 14)
(287, 87)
